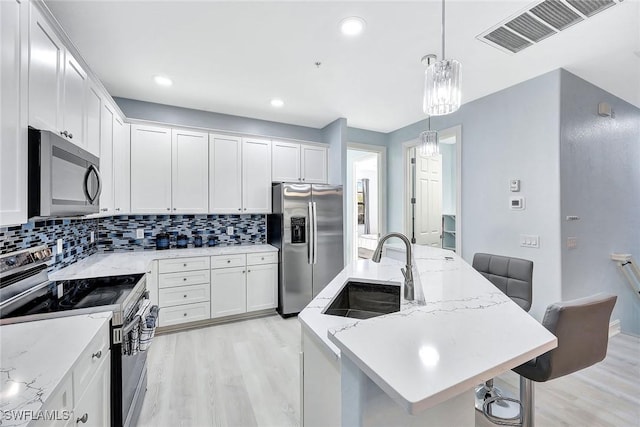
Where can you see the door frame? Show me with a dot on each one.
(456, 132)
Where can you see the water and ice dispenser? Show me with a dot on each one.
(298, 229)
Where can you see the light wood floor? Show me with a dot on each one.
(246, 374)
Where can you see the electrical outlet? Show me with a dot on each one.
(572, 242)
(230, 231)
(140, 233)
(59, 244)
(529, 241)
(92, 236)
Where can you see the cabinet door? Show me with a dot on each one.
(93, 112)
(13, 112)
(73, 101)
(262, 289)
(189, 172)
(285, 162)
(94, 406)
(150, 169)
(228, 291)
(225, 174)
(121, 166)
(314, 164)
(46, 60)
(106, 159)
(256, 175)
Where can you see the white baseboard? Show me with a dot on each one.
(614, 328)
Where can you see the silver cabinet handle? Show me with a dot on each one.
(184, 265)
(248, 271)
(97, 354)
(184, 279)
(104, 209)
(239, 209)
(70, 136)
(174, 209)
(168, 209)
(242, 271)
(118, 209)
(304, 179)
(228, 261)
(64, 133)
(185, 314)
(184, 296)
(83, 419)
(245, 209)
(262, 258)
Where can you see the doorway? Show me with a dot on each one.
(365, 200)
(433, 193)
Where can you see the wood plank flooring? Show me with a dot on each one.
(246, 373)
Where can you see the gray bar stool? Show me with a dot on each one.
(513, 276)
(582, 329)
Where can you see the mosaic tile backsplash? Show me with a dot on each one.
(75, 233)
(118, 233)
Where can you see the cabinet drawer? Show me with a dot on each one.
(185, 313)
(183, 264)
(90, 361)
(224, 261)
(184, 295)
(262, 258)
(186, 278)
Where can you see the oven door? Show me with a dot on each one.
(134, 385)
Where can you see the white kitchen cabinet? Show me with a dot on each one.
(121, 166)
(225, 174)
(14, 27)
(94, 405)
(228, 291)
(93, 115)
(285, 162)
(106, 159)
(256, 175)
(150, 169)
(313, 160)
(189, 172)
(73, 101)
(262, 287)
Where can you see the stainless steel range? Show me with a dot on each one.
(26, 294)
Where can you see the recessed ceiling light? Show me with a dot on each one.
(275, 102)
(162, 81)
(352, 26)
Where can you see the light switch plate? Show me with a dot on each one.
(140, 233)
(514, 185)
(230, 231)
(529, 241)
(572, 242)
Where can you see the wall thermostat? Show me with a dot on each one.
(516, 203)
(514, 185)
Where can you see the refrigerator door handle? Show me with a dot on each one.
(315, 233)
(312, 236)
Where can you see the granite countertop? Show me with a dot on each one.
(466, 332)
(36, 356)
(134, 262)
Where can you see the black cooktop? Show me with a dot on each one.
(76, 294)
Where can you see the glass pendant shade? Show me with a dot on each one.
(442, 94)
(429, 143)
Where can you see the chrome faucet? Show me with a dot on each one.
(406, 271)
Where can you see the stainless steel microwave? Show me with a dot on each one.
(64, 179)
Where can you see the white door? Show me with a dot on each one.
(46, 61)
(13, 112)
(73, 101)
(189, 172)
(93, 112)
(94, 405)
(106, 159)
(150, 169)
(314, 164)
(121, 166)
(428, 199)
(285, 162)
(256, 175)
(228, 291)
(225, 174)
(262, 283)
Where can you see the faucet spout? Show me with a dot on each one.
(409, 293)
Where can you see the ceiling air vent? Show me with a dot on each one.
(540, 21)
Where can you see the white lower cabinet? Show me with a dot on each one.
(262, 287)
(228, 291)
(93, 407)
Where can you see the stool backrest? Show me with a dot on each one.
(513, 276)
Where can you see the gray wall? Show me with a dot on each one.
(134, 109)
(513, 133)
(363, 136)
(600, 183)
(335, 134)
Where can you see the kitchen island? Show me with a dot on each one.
(420, 364)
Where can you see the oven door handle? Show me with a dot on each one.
(137, 318)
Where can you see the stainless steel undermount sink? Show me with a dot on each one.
(361, 300)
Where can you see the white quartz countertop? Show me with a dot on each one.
(36, 356)
(466, 332)
(133, 262)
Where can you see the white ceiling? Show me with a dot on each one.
(234, 57)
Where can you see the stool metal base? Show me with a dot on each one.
(506, 409)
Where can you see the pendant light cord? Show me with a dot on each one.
(443, 57)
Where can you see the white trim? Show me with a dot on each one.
(614, 328)
(382, 180)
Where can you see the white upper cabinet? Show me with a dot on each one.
(121, 166)
(189, 172)
(14, 23)
(106, 159)
(73, 101)
(313, 164)
(150, 169)
(46, 64)
(93, 106)
(256, 175)
(285, 162)
(225, 174)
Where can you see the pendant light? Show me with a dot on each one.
(442, 93)
(429, 138)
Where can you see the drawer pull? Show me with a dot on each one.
(185, 314)
(242, 271)
(184, 279)
(228, 261)
(248, 271)
(184, 265)
(83, 419)
(97, 354)
(184, 296)
(262, 258)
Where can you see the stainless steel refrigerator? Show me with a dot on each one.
(306, 226)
